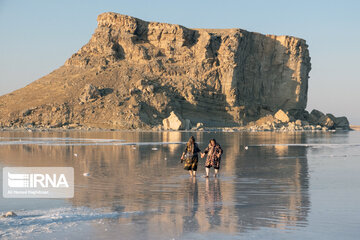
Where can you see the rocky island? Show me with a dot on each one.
(135, 74)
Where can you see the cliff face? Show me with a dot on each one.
(133, 73)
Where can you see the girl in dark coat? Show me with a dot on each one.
(190, 156)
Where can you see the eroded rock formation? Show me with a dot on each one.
(133, 74)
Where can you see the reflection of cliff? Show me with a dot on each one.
(279, 174)
(260, 187)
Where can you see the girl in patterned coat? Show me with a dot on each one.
(214, 152)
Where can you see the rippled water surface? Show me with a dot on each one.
(284, 186)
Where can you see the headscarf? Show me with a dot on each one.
(191, 144)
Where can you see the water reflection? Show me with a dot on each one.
(259, 187)
(191, 203)
(213, 201)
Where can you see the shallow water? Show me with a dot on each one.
(284, 186)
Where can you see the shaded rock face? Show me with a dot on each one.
(135, 73)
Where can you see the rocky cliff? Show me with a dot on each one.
(133, 74)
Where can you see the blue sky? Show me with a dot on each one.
(37, 37)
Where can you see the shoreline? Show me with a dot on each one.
(205, 129)
(355, 127)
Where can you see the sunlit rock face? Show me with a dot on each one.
(145, 70)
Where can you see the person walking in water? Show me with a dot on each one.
(190, 156)
(214, 152)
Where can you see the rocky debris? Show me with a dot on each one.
(199, 126)
(89, 93)
(342, 122)
(326, 121)
(9, 214)
(73, 125)
(132, 73)
(317, 121)
(264, 120)
(176, 122)
(317, 117)
(299, 123)
(282, 116)
(26, 112)
(173, 122)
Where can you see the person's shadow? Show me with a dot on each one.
(213, 200)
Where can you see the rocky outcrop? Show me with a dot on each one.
(269, 71)
(132, 74)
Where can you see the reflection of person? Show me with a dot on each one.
(190, 156)
(214, 152)
(191, 203)
(213, 198)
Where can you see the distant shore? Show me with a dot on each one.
(355, 127)
(204, 129)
